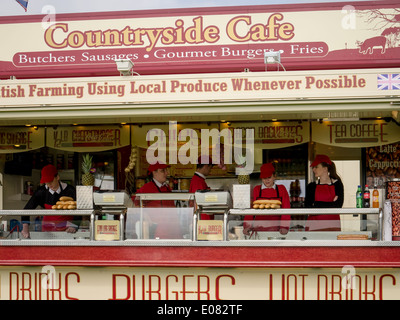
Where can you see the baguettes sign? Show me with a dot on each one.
(223, 39)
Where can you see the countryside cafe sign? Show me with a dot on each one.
(222, 87)
(205, 40)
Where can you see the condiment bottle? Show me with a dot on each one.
(375, 198)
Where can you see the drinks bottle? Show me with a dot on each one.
(359, 198)
(375, 198)
(367, 196)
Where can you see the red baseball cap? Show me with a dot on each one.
(48, 173)
(320, 158)
(267, 170)
(156, 166)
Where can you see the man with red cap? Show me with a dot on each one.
(158, 173)
(326, 192)
(46, 196)
(270, 191)
(198, 182)
(166, 222)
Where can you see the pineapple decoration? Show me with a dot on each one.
(243, 175)
(87, 176)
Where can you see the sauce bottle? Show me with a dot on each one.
(375, 198)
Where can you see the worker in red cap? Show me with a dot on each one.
(326, 192)
(47, 195)
(198, 182)
(269, 190)
(158, 175)
(166, 222)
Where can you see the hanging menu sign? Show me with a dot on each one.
(273, 135)
(21, 139)
(88, 139)
(355, 134)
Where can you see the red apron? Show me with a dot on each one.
(167, 224)
(199, 183)
(325, 193)
(55, 223)
(270, 222)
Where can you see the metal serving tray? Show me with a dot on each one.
(212, 198)
(111, 198)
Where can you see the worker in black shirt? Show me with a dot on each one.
(46, 196)
(326, 192)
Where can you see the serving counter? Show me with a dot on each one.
(139, 265)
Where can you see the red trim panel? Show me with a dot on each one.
(204, 256)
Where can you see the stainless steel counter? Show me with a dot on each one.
(84, 237)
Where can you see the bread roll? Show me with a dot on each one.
(275, 206)
(262, 205)
(64, 198)
(264, 201)
(255, 206)
(352, 237)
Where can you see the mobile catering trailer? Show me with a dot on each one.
(281, 84)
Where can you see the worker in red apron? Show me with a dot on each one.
(166, 221)
(271, 191)
(198, 182)
(158, 174)
(46, 196)
(326, 192)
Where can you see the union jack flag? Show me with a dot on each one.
(23, 3)
(389, 81)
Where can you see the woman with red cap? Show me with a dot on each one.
(271, 191)
(167, 222)
(46, 196)
(327, 192)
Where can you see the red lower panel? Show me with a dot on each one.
(203, 256)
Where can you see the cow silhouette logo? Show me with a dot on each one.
(368, 45)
